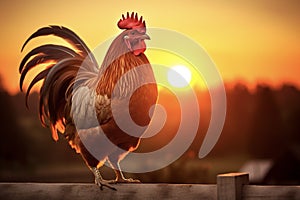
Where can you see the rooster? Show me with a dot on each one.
(74, 86)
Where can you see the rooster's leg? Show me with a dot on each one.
(114, 162)
(99, 180)
(92, 163)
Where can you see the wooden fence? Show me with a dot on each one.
(229, 186)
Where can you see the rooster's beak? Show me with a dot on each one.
(145, 37)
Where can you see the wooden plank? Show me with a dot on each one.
(230, 185)
(51, 191)
(254, 192)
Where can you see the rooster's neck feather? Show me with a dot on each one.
(116, 63)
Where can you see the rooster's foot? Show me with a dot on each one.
(103, 183)
(100, 181)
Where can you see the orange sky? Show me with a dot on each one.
(248, 40)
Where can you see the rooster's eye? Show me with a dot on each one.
(133, 33)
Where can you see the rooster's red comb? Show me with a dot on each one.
(131, 22)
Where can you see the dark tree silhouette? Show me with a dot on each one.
(12, 149)
(289, 102)
(267, 132)
(235, 134)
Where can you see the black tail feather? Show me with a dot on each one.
(66, 34)
(48, 49)
(36, 79)
(61, 66)
(58, 79)
(43, 55)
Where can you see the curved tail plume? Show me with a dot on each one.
(61, 65)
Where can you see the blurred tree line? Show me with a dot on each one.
(262, 123)
(259, 124)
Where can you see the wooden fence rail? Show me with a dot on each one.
(229, 186)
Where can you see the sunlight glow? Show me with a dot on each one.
(163, 61)
(179, 76)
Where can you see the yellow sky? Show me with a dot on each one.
(251, 40)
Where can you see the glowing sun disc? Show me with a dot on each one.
(179, 76)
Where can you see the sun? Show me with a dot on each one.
(179, 76)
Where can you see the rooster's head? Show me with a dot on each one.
(135, 33)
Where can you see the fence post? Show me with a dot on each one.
(229, 186)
